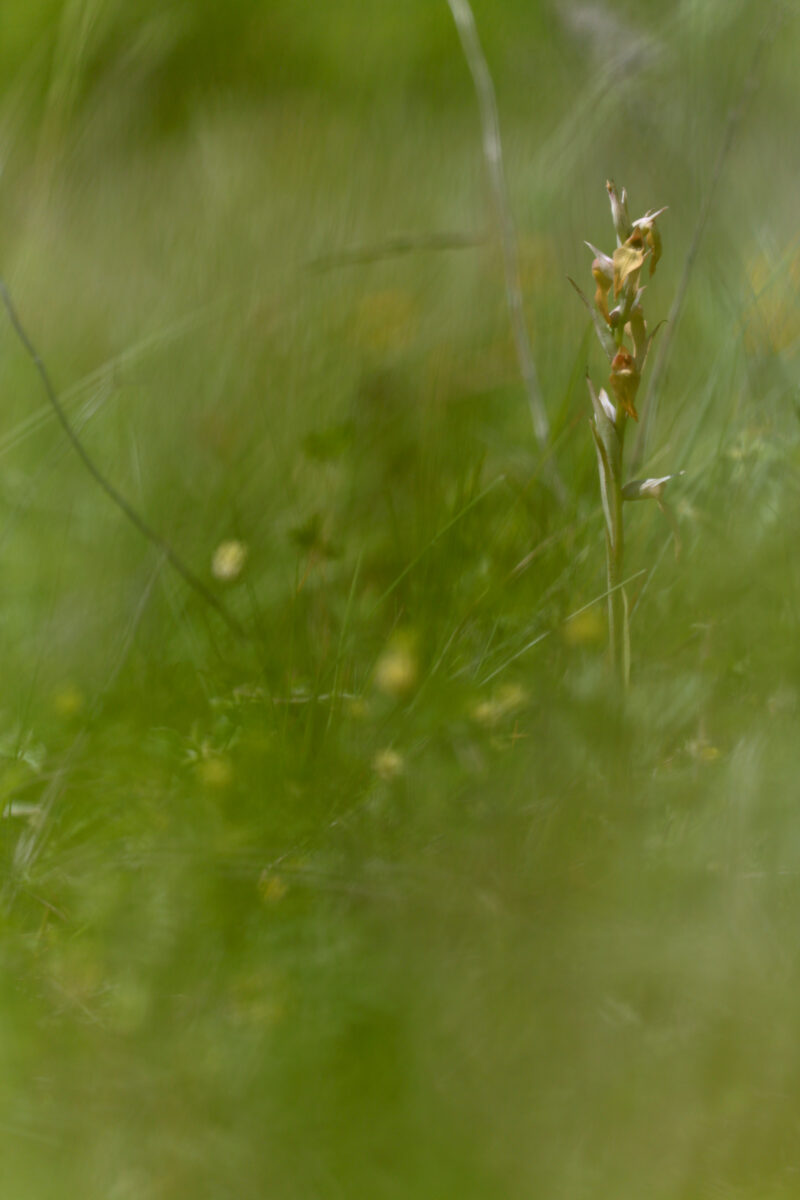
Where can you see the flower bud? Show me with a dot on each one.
(603, 275)
(624, 381)
(619, 212)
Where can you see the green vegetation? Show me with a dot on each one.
(398, 895)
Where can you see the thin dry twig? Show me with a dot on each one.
(493, 156)
(175, 561)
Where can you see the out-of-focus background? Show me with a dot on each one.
(395, 896)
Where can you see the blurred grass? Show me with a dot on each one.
(397, 898)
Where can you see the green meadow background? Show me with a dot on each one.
(395, 896)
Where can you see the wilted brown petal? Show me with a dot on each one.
(646, 225)
(654, 242)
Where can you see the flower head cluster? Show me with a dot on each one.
(621, 328)
(618, 296)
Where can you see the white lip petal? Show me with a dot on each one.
(608, 407)
(649, 217)
(604, 258)
(647, 489)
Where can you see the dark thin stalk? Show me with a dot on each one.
(394, 247)
(130, 513)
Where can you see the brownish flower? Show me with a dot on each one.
(628, 259)
(624, 380)
(646, 226)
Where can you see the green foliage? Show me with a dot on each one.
(394, 897)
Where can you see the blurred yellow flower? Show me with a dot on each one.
(585, 629)
(501, 703)
(68, 701)
(772, 319)
(271, 887)
(701, 750)
(215, 771)
(397, 669)
(228, 560)
(388, 764)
